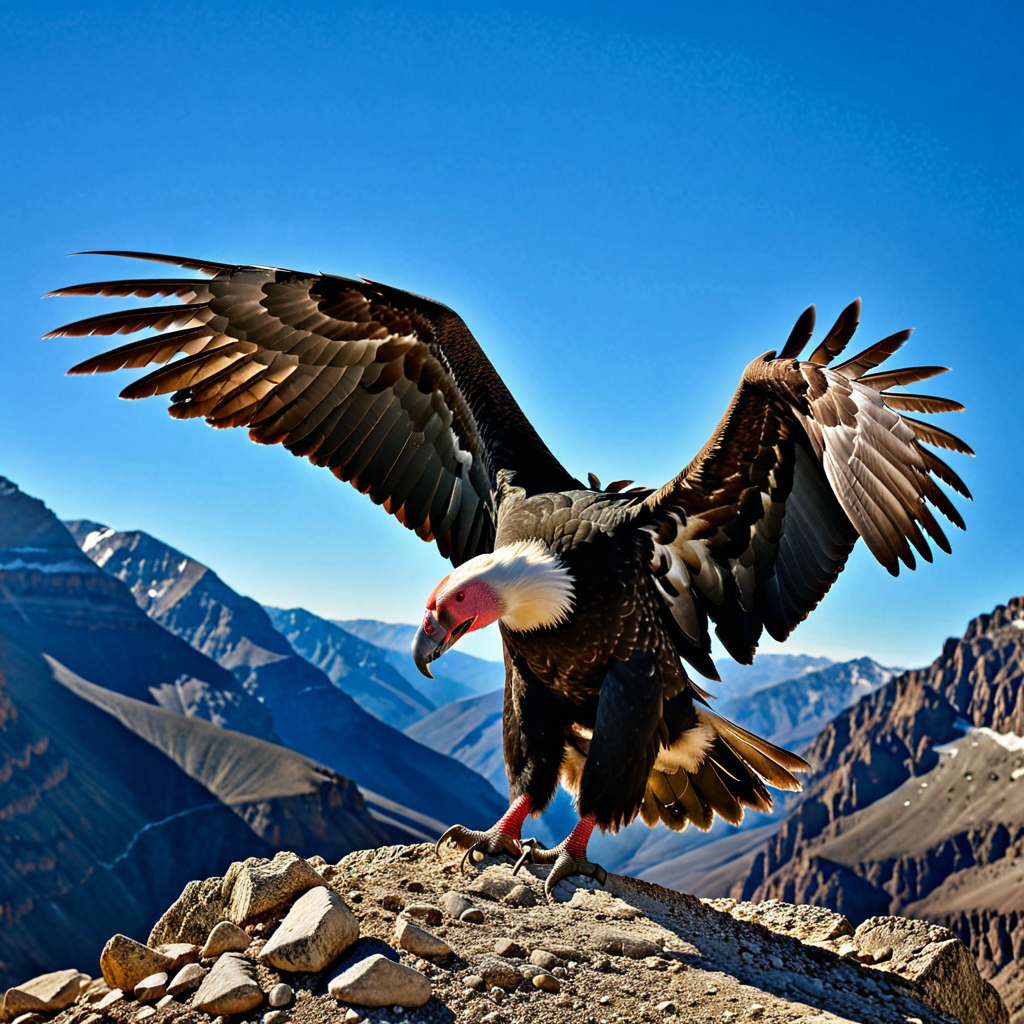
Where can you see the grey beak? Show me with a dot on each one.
(426, 647)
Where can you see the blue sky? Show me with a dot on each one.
(626, 203)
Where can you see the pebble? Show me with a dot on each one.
(125, 962)
(115, 995)
(755, 1009)
(145, 1012)
(728, 1015)
(150, 989)
(419, 941)
(473, 981)
(546, 983)
(378, 981)
(666, 1007)
(226, 937)
(655, 963)
(280, 995)
(455, 904)
(605, 1000)
(509, 948)
(610, 940)
(93, 992)
(354, 896)
(165, 1001)
(521, 896)
(424, 913)
(542, 958)
(776, 962)
(497, 994)
(47, 993)
(559, 972)
(494, 887)
(230, 987)
(30, 1018)
(472, 916)
(188, 979)
(415, 887)
(315, 932)
(275, 1017)
(602, 964)
(351, 1016)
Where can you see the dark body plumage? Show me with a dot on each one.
(390, 391)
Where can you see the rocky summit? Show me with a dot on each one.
(400, 934)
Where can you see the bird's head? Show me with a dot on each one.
(522, 584)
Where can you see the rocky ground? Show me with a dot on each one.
(398, 934)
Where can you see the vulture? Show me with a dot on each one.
(604, 597)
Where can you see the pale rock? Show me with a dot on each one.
(165, 1001)
(666, 1007)
(755, 1010)
(30, 1018)
(275, 1017)
(542, 958)
(493, 886)
(249, 889)
(378, 981)
(610, 940)
(809, 924)
(496, 971)
(351, 1016)
(418, 940)
(473, 981)
(423, 913)
(93, 992)
(230, 987)
(46, 993)
(521, 896)
(455, 904)
(146, 1012)
(315, 932)
(226, 937)
(181, 953)
(125, 962)
(115, 995)
(188, 979)
(280, 995)
(546, 982)
(509, 948)
(472, 916)
(153, 988)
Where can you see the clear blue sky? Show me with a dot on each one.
(626, 203)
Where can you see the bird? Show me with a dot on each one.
(604, 597)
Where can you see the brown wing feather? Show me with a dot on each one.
(387, 389)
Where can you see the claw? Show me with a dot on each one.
(469, 853)
(492, 843)
(530, 846)
(566, 865)
(454, 833)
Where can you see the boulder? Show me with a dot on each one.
(47, 993)
(378, 981)
(125, 962)
(414, 939)
(250, 888)
(226, 937)
(229, 988)
(315, 932)
(939, 965)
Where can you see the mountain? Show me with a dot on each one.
(459, 676)
(56, 600)
(765, 670)
(310, 713)
(793, 712)
(359, 668)
(914, 803)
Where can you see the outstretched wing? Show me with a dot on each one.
(387, 389)
(808, 457)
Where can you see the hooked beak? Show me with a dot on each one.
(428, 647)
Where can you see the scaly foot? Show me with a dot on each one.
(503, 836)
(568, 858)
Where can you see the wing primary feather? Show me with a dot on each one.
(800, 335)
(836, 340)
(204, 266)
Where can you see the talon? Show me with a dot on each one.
(449, 834)
(466, 856)
(528, 845)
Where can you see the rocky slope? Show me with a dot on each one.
(310, 713)
(914, 804)
(396, 933)
(458, 677)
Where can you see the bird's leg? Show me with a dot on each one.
(569, 857)
(504, 836)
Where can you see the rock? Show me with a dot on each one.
(546, 983)
(610, 940)
(472, 916)
(30, 1018)
(415, 886)
(280, 995)
(226, 937)
(165, 1001)
(230, 987)
(315, 932)
(146, 1012)
(250, 888)
(188, 979)
(351, 1016)
(666, 1007)
(521, 896)
(378, 981)
(125, 962)
(275, 1017)
(150, 989)
(181, 953)
(48, 993)
(423, 913)
(808, 924)
(493, 886)
(938, 964)
(419, 941)
(93, 992)
(473, 981)
(542, 958)
(755, 1010)
(509, 948)
(115, 995)
(455, 904)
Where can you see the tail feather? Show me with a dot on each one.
(730, 777)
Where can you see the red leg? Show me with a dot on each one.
(504, 836)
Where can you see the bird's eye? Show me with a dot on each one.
(460, 596)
